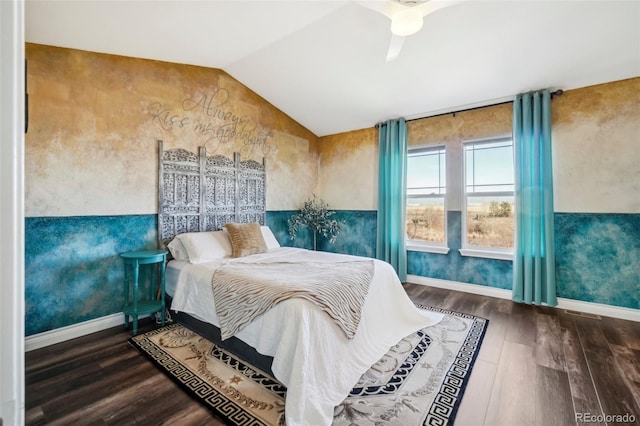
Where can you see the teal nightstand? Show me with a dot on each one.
(155, 301)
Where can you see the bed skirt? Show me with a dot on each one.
(232, 344)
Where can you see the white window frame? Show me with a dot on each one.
(430, 246)
(482, 251)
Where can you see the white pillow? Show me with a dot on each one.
(206, 246)
(177, 250)
(269, 238)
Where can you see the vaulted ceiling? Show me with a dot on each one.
(323, 62)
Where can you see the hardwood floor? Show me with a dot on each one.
(537, 366)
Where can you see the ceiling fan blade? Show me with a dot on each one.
(434, 5)
(395, 45)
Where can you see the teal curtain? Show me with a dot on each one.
(392, 190)
(534, 279)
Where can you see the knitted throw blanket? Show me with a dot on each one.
(244, 291)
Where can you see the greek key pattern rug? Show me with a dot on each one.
(420, 381)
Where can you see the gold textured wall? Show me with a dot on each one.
(349, 161)
(466, 125)
(596, 151)
(348, 169)
(596, 148)
(94, 120)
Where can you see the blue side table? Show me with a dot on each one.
(155, 301)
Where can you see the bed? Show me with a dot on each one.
(319, 356)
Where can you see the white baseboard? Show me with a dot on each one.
(599, 309)
(460, 286)
(69, 332)
(570, 304)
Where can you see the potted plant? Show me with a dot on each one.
(316, 216)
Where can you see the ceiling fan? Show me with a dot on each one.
(406, 17)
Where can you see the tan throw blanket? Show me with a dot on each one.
(244, 291)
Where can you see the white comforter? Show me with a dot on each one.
(311, 355)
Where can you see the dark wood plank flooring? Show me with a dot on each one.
(537, 366)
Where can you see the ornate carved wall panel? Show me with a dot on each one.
(200, 193)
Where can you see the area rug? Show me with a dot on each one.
(420, 381)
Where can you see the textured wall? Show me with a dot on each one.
(596, 155)
(348, 172)
(73, 271)
(357, 237)
(598, 257)
(95, 118)
(91, 166)
(455, 267)
(596, 143)
(91, 176)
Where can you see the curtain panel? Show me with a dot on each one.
(392, 190)
(534, 272)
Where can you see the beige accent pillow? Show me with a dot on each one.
(246, 239)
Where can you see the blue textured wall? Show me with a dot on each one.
(277, 221)
(73, 272)
(598, 258)
(454, 267)
(357, 237)
(597, 255)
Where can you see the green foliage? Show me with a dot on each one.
(316, 216)
(497, 209)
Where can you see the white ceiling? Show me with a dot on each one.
(323, 62)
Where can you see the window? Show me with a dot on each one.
(426, 189)
(489, 195)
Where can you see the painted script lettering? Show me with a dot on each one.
(213, 121)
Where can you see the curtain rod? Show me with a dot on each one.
(554, 93)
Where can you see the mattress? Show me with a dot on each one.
(311, 354)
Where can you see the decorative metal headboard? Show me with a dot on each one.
(200, 193)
